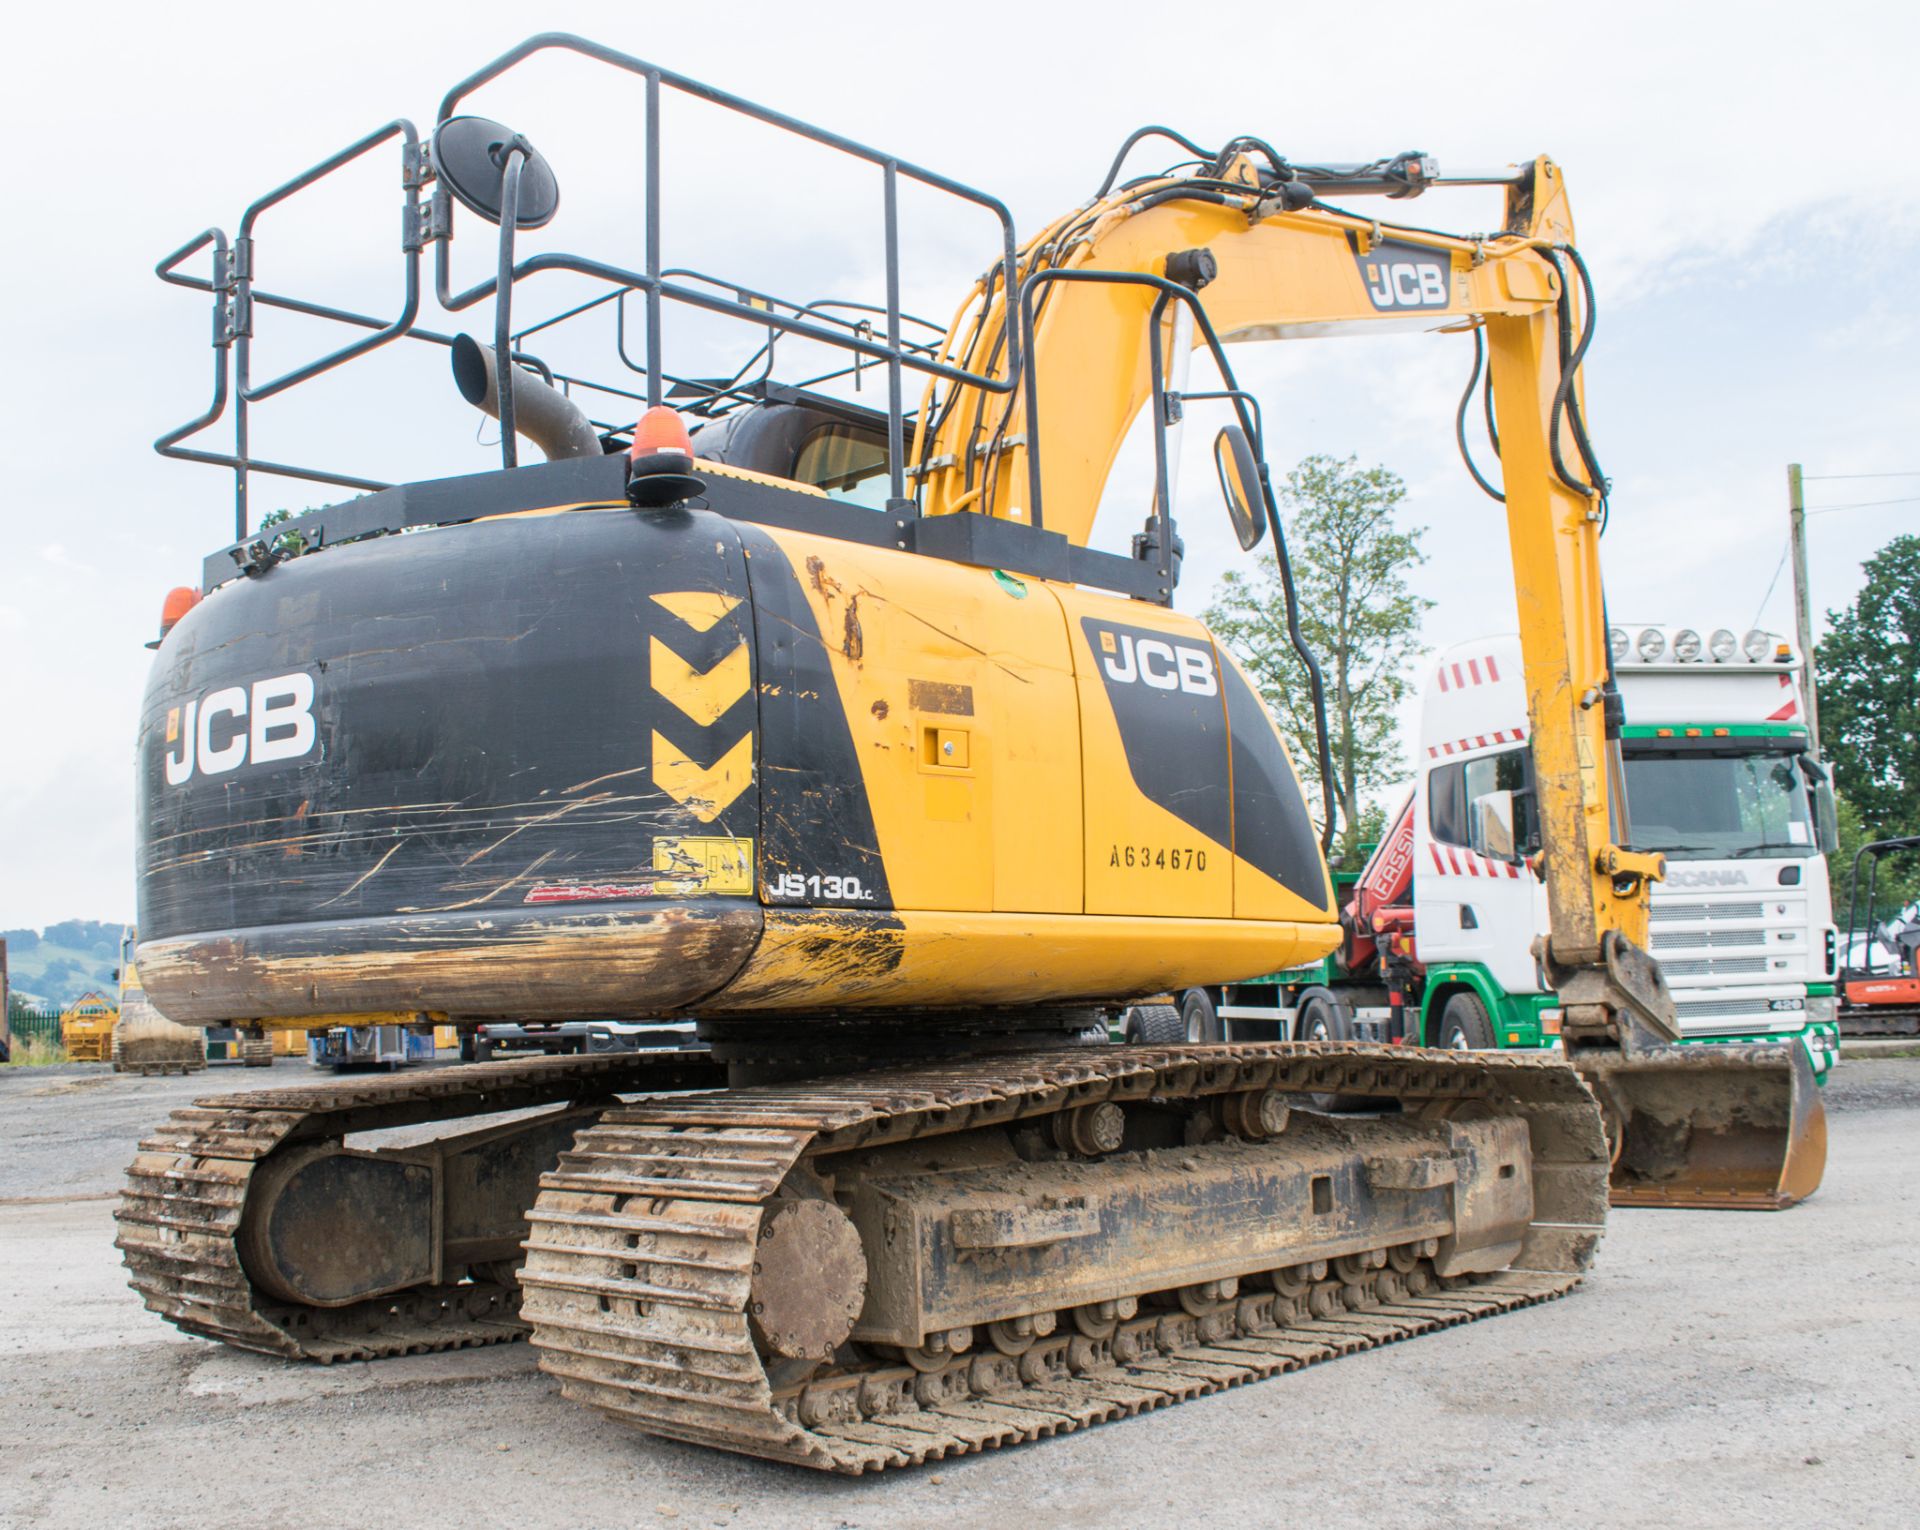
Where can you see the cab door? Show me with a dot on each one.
(1155, 772)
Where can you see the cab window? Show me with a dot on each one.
(848, 462)
(1453, 788)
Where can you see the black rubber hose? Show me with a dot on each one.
(1460, 416)
(1136, 136)
(1486, 404)
(1564, 403)
(1576, 416)
(1315, 684)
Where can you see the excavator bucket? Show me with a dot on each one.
(1734, 1127)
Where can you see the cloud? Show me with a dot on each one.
(56, 554)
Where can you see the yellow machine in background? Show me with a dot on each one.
(144, 1040)
(86, 1028)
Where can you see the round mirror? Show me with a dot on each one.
(1239, 473)
(470, 156)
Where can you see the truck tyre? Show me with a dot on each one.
(1464, 1026)
(1154, 1025)
(1322, 1017)
(1199, 1020)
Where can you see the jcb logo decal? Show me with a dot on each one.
(703, 696)
(1158, 664)
(1405, 276)
(241, 725)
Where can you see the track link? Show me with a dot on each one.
(641, 1253)
(179, 1215)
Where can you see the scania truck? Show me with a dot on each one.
(1441, 923)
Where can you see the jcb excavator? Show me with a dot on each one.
(826, 726)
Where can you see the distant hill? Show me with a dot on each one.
(54, 966)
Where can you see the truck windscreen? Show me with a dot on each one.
(1695, 805)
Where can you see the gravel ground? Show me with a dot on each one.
(1717, 1369)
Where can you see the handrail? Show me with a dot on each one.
(428, 217)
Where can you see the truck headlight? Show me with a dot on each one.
(1722, 645)
(1821, 1008)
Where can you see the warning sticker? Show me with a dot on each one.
(710, 863)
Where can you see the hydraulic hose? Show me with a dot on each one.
(1460, 416)
(1316, 685)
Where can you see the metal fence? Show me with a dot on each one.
(27, 1024)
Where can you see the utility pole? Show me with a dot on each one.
(1802, 611)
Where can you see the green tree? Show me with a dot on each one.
(1869, 676)
(1895, 884)
(1350, 561)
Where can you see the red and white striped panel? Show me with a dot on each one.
(1452, 860)
(1462, 673)
(1478, 741)
(1791, 708)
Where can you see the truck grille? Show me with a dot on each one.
(1664, 913)
(1727, 1009)
(1683, 940)
(1714, 966)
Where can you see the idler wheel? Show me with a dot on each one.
(1017, 1335)
(809, 1280)
(1098, 1320)
(1208, 1296)
(1091, 1130)
(1254, 1115)
(1294, 1279)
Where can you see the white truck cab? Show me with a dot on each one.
(1718, 780)
(1440, 939)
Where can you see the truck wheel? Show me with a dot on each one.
(1154, 1025)
(1464, 1026)
(1322, 1017)
(1199, 1021)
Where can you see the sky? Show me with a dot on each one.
(1736, 173)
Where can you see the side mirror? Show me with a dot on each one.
(1490, 827)
(1826, 819)
(1500, 826)
(1239, 472)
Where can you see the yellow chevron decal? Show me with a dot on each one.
(699, 609)
(703, 697)
(706, 791)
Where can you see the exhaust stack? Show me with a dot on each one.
(541, 413)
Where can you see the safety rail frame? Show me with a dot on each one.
(236, 297)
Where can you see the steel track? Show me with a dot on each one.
(179, 1216)
(641, 1252)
